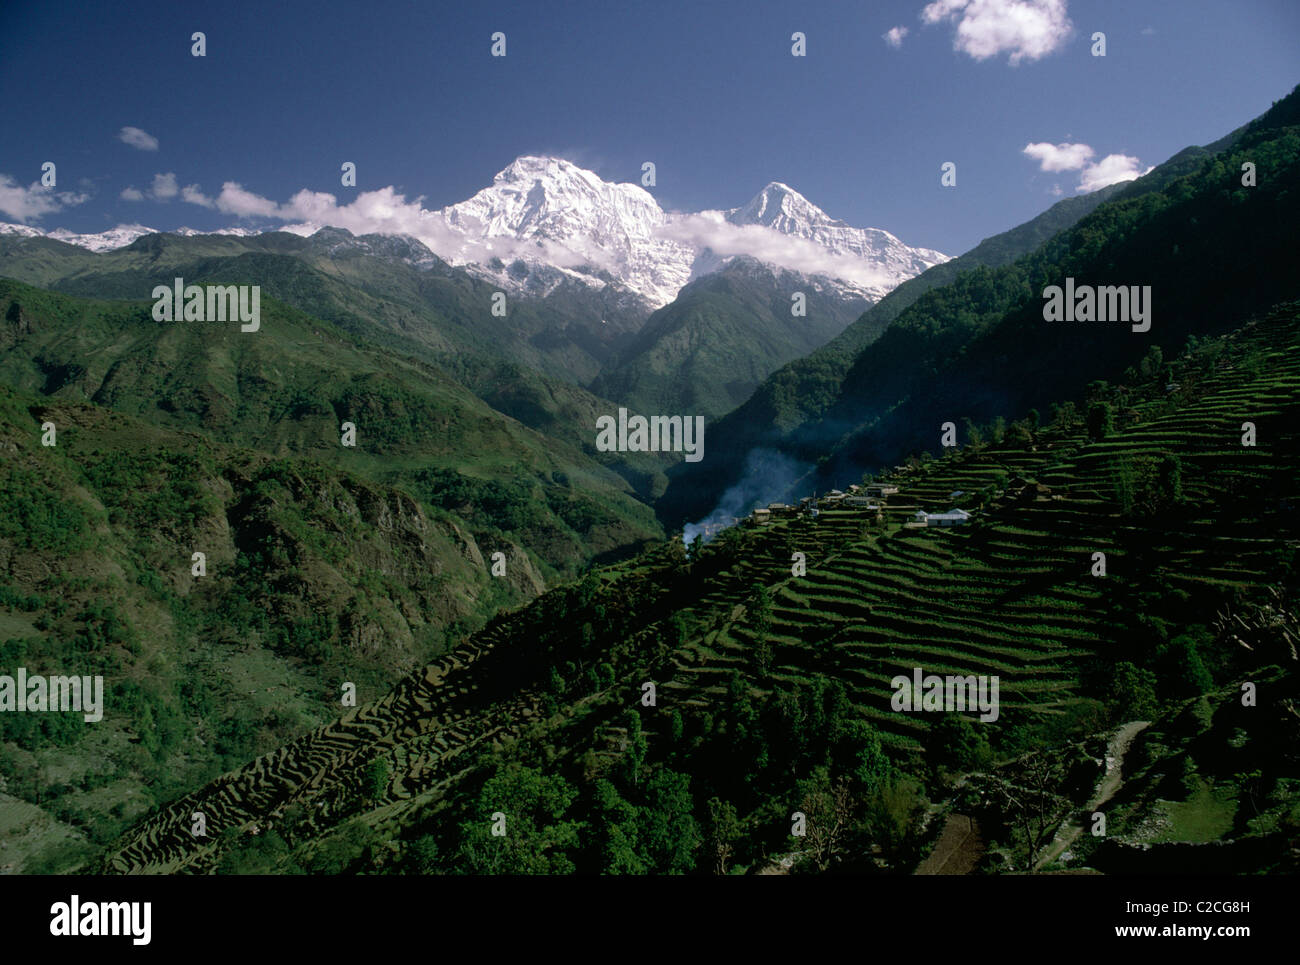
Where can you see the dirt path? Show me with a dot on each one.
(958, 849)
(1111, 781)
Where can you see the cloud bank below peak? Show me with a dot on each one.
(653, 254)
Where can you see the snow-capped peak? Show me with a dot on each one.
(236, 232)
(21, 230)
(109, 240)
(784, 210)
(778, 206)
(550, 212)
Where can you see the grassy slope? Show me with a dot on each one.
(723, 334)
(1010, 595)
(527, 365)
(313, 577)
(287, 388)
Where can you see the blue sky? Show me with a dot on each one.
(708, 91)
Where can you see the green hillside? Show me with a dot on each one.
(362, 284)
(773, 689)
(705, 353)
(311, 576)
(288, 388)
(529, 365)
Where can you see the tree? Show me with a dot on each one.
(957, 743)
(723, 832)
(1101, 420)
(537, 834)
(760, 617)
(423, 856)
(1065, 415)
(676, 726)
(1032, 801)
(828, 808)
(620, 836)
(893, 810)
(376, 778)
(760, 609)
(1169, 481)
(1182, 669)
(1132, 692)
(637, 747)
(677, 631)
(669, 833)
(1152, 365)
(871, 768)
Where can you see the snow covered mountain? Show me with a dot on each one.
(547, 212)
(113, 238)
(118, 237)
(550, 212)
(546, 223)
(884, 261)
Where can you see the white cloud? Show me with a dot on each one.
(1111, 169)
(385, 211)
(245, 204)
(709, 229)
(138, 139)
(1059, 157)
(35, 200)
(1055, 191)
(164, 187)
(894, 36)
(1024, 29)
(1148, 31)
(193, 195)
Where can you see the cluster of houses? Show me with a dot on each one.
(866, 498)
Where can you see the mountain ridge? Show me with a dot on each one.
(544, 220)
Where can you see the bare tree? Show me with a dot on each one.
(1032, 801)
(829, 810)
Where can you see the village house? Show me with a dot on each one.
(880, 490)
(954, 517)
(1035, 492)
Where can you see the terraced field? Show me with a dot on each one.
(1012, 594)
